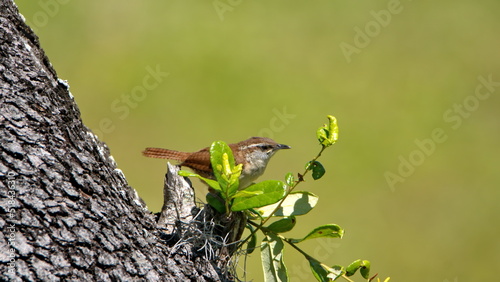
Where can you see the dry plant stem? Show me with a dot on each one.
(282, 200)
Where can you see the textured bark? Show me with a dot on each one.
(66, 210)
(178, 202)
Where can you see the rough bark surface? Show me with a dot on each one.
(66, 210)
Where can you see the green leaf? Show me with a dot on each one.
(253, 240)
(216, 203)
(296, 203)
(318, 271)
(289, 179)
(186, 173)
(365, 269)
(230, 174)
(217, 149)
(333, 128)
(272, 192)
(322, 134)
(362, 265)
(223, 165)
(272, 259)
(253, 214)
(328, 134)
(246, 194)
(212, 183)
(327, 230)
(336, 271)
(323, 272)
(283, 225)
(317, 169)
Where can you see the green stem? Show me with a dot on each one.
(307, 255)
(226, 202)
(296, 248)
(282, 200)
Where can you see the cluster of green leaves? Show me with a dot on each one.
(276, 199)
(226, 183)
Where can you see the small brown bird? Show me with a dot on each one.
(254, 153)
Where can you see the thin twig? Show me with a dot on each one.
(282, 200)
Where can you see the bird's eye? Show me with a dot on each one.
(266, 147)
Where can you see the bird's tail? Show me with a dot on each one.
(165, 154)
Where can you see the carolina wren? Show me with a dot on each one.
(253, 153)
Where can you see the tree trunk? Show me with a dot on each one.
(67, 211)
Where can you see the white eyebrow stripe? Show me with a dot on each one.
(253, 145)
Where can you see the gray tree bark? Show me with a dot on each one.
(66, 210)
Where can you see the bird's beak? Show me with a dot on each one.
(283, 146)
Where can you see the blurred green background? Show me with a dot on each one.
(391, 72)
